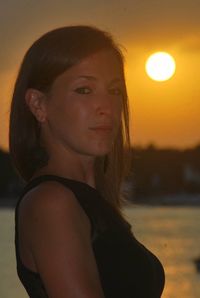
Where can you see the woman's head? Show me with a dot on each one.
(48, 58)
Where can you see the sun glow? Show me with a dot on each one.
(160, 66)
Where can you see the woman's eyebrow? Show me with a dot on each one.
(92, 78)
(117, 80)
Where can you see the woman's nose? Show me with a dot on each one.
(105, 104)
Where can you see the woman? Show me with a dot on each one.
(68, 135)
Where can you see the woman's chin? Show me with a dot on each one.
(103, 149)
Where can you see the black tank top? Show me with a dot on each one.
(127, 269)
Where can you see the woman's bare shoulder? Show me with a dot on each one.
(48, 192)
(57, 233)
(52, 200)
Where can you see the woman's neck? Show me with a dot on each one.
(79, 168)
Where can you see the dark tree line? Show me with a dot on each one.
(165, 171)
(154, 172)
(10, 183)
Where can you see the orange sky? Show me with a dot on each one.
(167, 113)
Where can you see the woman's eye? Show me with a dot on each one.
(116, 91)
(83, 90)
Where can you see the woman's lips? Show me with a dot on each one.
(102, 128)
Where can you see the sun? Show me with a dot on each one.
(160, 66)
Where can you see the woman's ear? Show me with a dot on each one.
(35, 100)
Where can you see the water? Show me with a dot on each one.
(172, 233)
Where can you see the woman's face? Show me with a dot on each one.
(83, 108)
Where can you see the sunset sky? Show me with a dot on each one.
(166, 114)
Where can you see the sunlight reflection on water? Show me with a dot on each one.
(173, 234)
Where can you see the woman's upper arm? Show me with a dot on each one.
(59, 239)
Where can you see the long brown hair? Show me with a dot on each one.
(48, 57)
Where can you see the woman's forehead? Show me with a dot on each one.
(104, 63)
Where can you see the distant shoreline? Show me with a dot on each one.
(181, 199)
(185, 200)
